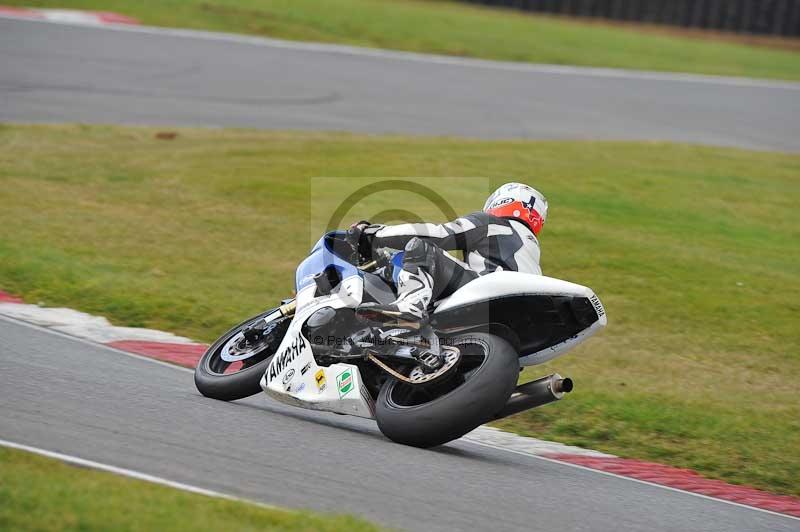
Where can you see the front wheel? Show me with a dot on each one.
(436, 414)
(232, 367)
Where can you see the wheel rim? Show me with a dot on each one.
(473, 357)
(235, 354)
(238, 349)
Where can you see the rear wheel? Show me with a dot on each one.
(233, 366)
(426, 416)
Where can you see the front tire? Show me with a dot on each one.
(213, 376)
(404, 417)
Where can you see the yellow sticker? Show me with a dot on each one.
(319, 376)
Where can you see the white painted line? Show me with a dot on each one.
(132, 474)
(95, 344)
(69, 15)
(631, 479)
(73, 16)
(507, 440)
(83, 325)
(340, 49)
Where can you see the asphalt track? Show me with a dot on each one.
(60, 73)
(85, 400)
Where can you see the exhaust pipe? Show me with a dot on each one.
(536, 393)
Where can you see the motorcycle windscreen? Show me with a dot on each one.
(323, 255)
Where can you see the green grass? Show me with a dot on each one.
(39, 493)
(694, 251)
(455, 29)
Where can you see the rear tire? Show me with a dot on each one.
(243, 383)
(459, 411)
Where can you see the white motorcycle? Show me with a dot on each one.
(424, 383)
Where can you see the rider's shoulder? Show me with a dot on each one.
(484, 218)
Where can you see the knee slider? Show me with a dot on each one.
(416, 249)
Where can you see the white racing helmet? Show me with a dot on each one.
(518, 202)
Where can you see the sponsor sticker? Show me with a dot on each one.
(598, 307)
(344, 381)
(320, 378)
(501, 202)
(288, 377)
(305, 368)
(285, 357)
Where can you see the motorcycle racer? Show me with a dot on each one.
(426, 380)
(503, 236)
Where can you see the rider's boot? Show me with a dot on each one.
(414, 293)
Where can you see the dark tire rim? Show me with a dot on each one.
(242, 354)
(474, 355)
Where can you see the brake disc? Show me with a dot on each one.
(452, 355)
(237, 348)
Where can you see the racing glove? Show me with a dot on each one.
(359, 236)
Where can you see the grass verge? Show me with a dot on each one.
(44, 494)
(694, 251)
(456, 29)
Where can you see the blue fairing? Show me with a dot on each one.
(397, 263)
(322, 256)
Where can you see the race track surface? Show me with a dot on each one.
(59, 73)
(95, 403)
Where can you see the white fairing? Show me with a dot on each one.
(293, 376)
(503, 283)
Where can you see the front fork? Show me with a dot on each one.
(287, 309)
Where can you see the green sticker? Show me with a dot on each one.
(344, 381)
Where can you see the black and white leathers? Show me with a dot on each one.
(489, 243)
